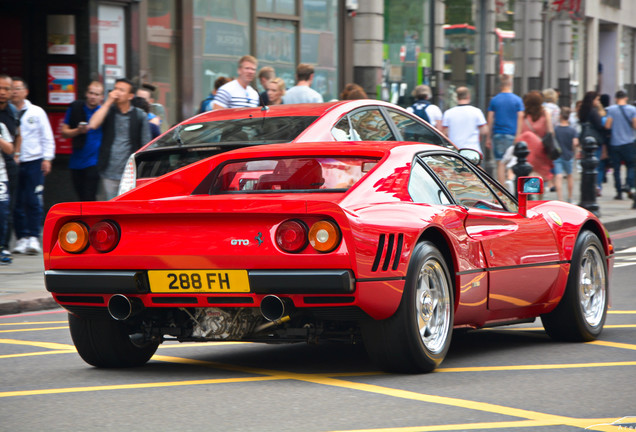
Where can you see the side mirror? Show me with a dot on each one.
(528, 186)
(472, 155)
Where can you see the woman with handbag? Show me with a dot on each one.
(591, 121)
(532, 126)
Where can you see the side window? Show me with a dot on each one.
(412, 130)
(342, 131)
(370, 125)
(505, 199)
(424, 189)
(466, 187)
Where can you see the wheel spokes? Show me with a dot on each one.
(592, 287)
(433, 314)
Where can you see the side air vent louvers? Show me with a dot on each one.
(398, 252)
(389, 250)
(378, 254)
(390, 253)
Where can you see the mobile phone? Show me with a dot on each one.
(82, 123)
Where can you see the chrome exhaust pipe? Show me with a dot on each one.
(121, 307)
(273, 308)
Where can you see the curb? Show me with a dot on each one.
(620, 224)
(17, 306)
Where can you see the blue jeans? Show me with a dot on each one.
(623, 153)
(500, 143)
(27, 215)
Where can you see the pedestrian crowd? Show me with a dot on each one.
(554, 134)
(105, 129)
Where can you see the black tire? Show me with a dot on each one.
(105, 343)
(417, 337)
(580, 315)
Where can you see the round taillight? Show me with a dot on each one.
(324, 236)
(104, 236)
(73, 237)
(291, 236)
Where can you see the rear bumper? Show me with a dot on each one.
(261, 282)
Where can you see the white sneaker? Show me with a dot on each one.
(21, 246)
(33, 246)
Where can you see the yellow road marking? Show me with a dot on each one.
(34, 323)
(132, 386)
(613, 344)
(535, 367)
(39, 353)
(534, 419)
(607, 326)
(32, 329)
(542, 418)
(49, 345)
(621, 312)
(476, 426)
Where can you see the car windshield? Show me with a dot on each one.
(301, 174)
(261, 130)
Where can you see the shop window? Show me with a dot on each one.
(276, 47)
(319, 44)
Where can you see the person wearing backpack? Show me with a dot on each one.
(206, 104)
(423, 108)
(621, 121)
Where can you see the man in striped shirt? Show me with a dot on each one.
(238, 93)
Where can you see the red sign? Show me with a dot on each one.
(62, 145)
(565, 9)
(110, 54)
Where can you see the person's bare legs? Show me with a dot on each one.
(558, 184)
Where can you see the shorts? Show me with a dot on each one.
(500, 143)
(562, 166)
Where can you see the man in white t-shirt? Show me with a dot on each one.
(465, 124)
(302, 92)
(239, 93)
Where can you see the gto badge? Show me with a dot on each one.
(556, 218)
(240, 242)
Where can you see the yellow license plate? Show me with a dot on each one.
(207, 281)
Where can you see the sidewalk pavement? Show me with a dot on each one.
(22, 283)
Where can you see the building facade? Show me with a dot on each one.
(387, 46)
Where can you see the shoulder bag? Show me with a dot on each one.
(551, 146)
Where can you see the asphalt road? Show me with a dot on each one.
(510, 379)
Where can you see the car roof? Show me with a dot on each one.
(312, 110)
(341, 148)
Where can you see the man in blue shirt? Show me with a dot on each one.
(621, 120)
(503, 113)
(86, 142)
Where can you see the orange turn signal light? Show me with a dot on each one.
(73, 237)
(324, 236)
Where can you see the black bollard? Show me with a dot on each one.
(522, 168)
(589, 176)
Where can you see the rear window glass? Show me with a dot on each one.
(319, 174)
(257, 130)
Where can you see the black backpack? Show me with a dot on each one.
(419, 109)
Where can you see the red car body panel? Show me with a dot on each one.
(505, 266)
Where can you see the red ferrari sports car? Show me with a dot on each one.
(392, 243)
(215, 132)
